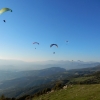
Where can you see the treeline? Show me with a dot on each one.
(2, 97)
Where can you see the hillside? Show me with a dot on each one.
(76, 92)
(10, 75)
(87, 79)
(14, 87)
(84, 81)
(32, 84)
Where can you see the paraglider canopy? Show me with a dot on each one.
(35, 43)
(4, 10)
(54, 45)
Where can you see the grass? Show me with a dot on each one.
(81, 78)
(76, 92)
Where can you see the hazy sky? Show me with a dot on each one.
(47, 22)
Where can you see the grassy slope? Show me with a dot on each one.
(77, 92)
(81, 78)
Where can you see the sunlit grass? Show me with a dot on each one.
(82, 78)
(77, 92)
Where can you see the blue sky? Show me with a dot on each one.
(47, 22)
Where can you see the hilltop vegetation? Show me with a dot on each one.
(77, 92)
(90, 87)
(88, 79)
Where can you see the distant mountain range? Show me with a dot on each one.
(27, 82)
(17, 65)
(9, 75)
(11, 69)
(30, 78)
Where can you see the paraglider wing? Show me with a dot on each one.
(4, 10)
(53, 45)
(35, 43)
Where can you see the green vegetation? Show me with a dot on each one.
(76, 92)
(82, 78)
(89, 79)
(80, 87)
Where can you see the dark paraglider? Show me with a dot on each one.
(54, 45)
(35, 43)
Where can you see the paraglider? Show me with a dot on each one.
(54, 45)
(53, 52)
(66, 41)
(4, 10)
(35, 43)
